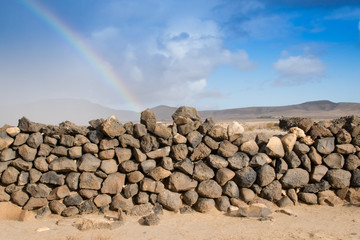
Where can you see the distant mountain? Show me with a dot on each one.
(55, 111)
(163, 113)
(316, 109)
(82, 111)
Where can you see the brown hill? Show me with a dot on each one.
(81, 111)
(315, 110)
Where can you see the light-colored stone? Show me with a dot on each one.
(314, 156)
(5, 140)
(227, 149)
(234, 130)
(345, 149)
(123, 154)
(112, 127)
(318, 173)
(89, 163)
(274, 148)
(179, 139)
(289, 141)
(12, 131)
(159, 173)
(298, 132)
(113, 184)
(159, 153)
(334, 160)
(179, 182)
(250, 147)
(102, 200)
(27, 152)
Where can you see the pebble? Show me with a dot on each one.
(42, 229)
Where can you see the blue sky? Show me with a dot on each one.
(211, 54)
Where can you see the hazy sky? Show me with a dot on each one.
(211, 54)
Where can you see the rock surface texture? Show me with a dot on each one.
(130, 167)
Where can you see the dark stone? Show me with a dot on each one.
(316, 187)
(272, 191)
(204, 205)
(231, 190)
(292, 160)
(295, 178)
(186, 166)
(222, 203)
(73, 200)
(209, 189)
(239, 161)
(190, 197)
(265, 175)
(53, 178)
(150, 220)
(202, 172)
(338, 178)
(245, 177)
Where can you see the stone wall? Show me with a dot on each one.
(73, 169)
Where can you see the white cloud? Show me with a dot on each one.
(197, 86)
(295, 70)
(171, 65)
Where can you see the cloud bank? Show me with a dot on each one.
(295, 70)
(172, 64)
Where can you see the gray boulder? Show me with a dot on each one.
(231, 189)
(245, 177)
(217, 161)
(209, 189)
(53, 178)
(272, 191)
(170, 200)
(179, 182)
(227, 149)
(89, 163)
(224, 175)
(112, 127)
(295, 178)
(190, 197)
(63, 164)
(338, 178)
(239, 160)
(334, 160)
(204, 205)
(202, 172)
(292, 160)
(265, 175)
(222, 203)
(259, 160)
(326, 145)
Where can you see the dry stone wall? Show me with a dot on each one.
(130, 167)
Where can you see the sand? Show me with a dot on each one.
(311, 222)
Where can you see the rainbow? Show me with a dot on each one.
(79, 45)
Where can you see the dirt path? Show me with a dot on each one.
(312, 222)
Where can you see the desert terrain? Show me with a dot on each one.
(307, 222)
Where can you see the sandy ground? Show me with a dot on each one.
(311, 222)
